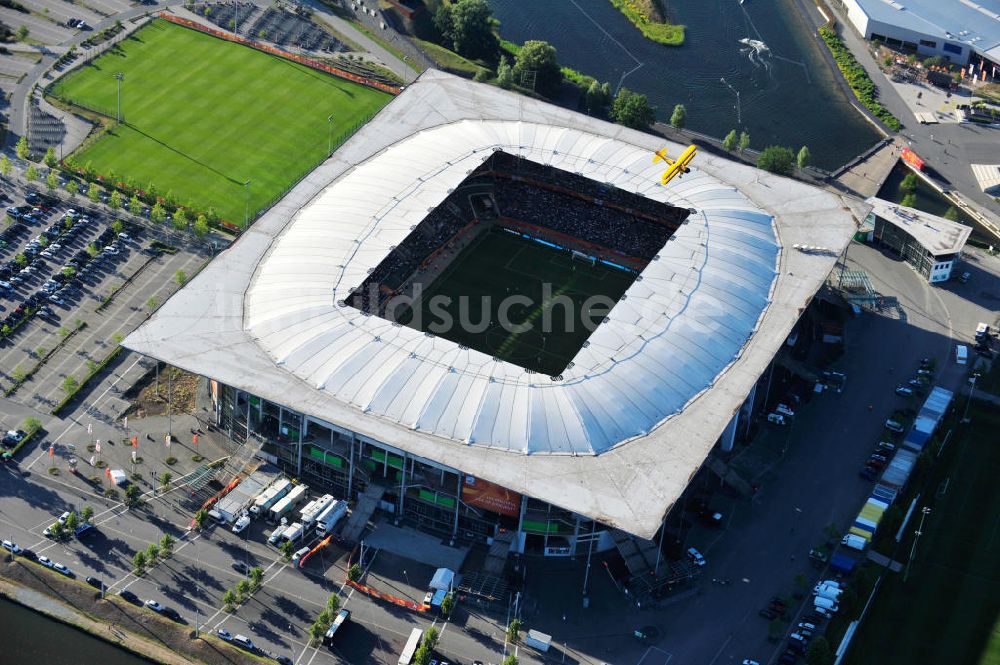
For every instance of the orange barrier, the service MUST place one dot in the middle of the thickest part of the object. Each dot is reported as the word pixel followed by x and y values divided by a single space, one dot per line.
pixel 388 597
pixel 215 499
pixel 323 543
pixel 267 48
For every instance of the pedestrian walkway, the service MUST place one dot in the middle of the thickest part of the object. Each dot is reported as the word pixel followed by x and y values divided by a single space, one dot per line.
pixel 867 175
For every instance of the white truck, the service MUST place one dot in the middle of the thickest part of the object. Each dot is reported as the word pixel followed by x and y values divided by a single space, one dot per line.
pixel 275 536
pixel 294 532
pixel 272 495
pixel 538 640
pixel 288 503
pixel 327 520
pixel 309 513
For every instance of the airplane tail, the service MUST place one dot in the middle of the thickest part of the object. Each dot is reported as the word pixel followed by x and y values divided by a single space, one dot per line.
pixel 661 156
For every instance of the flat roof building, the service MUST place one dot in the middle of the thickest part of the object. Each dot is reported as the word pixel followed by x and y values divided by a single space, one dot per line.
pixel 929 243
pixel 956 29
pixel 446 436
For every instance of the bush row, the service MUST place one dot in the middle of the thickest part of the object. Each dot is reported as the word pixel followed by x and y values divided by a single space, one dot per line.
pixel 83 384
pixel 856 77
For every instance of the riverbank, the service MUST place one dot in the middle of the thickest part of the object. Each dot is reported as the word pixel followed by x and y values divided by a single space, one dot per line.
pixel 646 16
pixel 112 620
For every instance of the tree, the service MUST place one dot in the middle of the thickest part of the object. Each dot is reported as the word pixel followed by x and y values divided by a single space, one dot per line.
pixel 72 521
pixel 505 73
pixel 152 303
pixel 776 159
pixel 5 165
pixel 354 572
pixel 180 220
pixel 200 517
pixel 910 200
pixel 819 652
pixel 73 187
pixel 448 604
pixel 152 552
pixel 157 214
pixel 287 548
pixel 21 149
pixel 50 158
pixel 229 600
pixel 181 277
pixel 539 57
pixel 909 183
pixel 511 659
pixel 467 27
pixel 514 631
pixel 200 226
pixel 117 226
pixel 22 33
pixel 116 200
pixel 94 193
pixel 632 110
pixel 52 180
pixel 243 589
pixel 165 479
pixel 256 577
pixel 316 630
pixel 135 205
pixel 679 117
pixel 70 384
pixel 729 143
pixel 951 213
pixel 430 638
pixel 139 562
pixel 803 159
pixel 87 514
pixel 333 603
pixel 132 496
pixel 68 271
pixel 744 143
pixel 32 173
pixel 596 100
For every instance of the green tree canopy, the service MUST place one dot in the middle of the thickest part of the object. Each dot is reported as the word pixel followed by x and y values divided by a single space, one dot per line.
pixel 134 205
pixel 94 193
pixel 200 226
pixel 505 73
pixel 776 159
pixel 909 183
pixel 951 213
pixel 21 149
pixel 804 158
pixel 632 110
pixel 157 214
pixel 50 158
pixel 466 27
pixel 679 117
pixel 52 180
pixel 116 200
pixel 729 143
pixel 72 187
pixel 539 57
pixel 32 173
pixel 744 143
pixel 910 200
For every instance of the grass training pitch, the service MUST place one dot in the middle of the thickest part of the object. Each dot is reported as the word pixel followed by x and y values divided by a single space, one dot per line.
pixel 948 610
pixel 203 116
pixel 498 265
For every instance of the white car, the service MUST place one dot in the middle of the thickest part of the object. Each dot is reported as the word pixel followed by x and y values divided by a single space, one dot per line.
pixel 11 547
pixel 63 517
pixel 241 524
pixel 45 561
pixel 155 606
pixel 224 634
pixel 784 410
pixel 696 557
pixel 62 569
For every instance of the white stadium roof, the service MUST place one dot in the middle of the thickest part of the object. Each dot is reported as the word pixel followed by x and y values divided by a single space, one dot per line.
pixel 619 435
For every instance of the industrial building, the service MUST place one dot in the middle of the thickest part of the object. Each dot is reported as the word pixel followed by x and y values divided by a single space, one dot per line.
pixel 929 243
pixel 445 437
pixel 955 29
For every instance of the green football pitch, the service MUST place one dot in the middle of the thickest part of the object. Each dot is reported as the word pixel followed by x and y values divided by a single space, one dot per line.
pixel 203 116
pixel 517 300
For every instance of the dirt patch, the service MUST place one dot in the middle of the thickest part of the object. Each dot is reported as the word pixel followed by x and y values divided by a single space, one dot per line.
pixel 181 387
pixel 133 628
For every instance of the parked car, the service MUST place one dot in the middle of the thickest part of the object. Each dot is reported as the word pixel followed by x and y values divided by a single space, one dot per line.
pixel 224 634
pixel 128 596
pixel 62 569
pixel 904 391
pixel 153 605
pixel 695 557
pixel 11 547
pixel 45 561
pixel 93 581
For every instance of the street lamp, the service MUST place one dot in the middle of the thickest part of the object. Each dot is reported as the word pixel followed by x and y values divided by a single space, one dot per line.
pixel 919 532
pixel 246 223
pixel 329 135
pixel 972 392
pixel 739 111
pixel 119 76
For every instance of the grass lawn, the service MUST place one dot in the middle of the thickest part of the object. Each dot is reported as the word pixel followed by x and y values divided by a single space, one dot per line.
pixel 204 115
pixel 497 265
pixel 947 611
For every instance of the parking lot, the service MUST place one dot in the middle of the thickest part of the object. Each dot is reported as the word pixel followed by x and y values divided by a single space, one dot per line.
pixel 73 279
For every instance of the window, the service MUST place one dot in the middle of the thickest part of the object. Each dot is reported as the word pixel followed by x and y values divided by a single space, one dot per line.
pixel 877 37
pixel 952 48
pixel 928 43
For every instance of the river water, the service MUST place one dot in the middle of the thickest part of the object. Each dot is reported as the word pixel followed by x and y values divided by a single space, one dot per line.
pixel 27 637
pixel 788 94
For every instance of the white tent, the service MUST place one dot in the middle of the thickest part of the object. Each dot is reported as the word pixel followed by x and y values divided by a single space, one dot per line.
pixel 988 176
pixel 443 579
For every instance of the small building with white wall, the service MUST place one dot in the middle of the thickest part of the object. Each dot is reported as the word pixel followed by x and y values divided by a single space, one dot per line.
pixel 988 177
pixel 955 29
pixel 929 243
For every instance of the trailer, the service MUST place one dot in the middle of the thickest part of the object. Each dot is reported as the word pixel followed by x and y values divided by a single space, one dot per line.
pixel 538 640
pixel 288 503
pixel 327 520
pixel 310 512
pixel 842 563
pixel 294 532
pixel 272 495
pixel 242 496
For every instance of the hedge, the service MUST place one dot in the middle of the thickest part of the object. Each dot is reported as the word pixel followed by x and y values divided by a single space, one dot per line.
pixel 83 384
pixel 857 78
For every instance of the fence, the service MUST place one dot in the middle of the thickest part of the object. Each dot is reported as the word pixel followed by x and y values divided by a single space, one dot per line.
pixel 272 50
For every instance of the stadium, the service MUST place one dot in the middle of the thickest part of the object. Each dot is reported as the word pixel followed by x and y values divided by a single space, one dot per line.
pixel 485 316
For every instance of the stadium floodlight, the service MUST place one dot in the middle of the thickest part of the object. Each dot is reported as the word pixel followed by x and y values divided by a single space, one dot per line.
pixel 246 204
pixel 119 76
pixel 329 135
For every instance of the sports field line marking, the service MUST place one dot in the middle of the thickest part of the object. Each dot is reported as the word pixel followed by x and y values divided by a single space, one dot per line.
pixel 668 655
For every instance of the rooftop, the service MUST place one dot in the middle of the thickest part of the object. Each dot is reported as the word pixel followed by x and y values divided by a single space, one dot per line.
pixel 619 436
pixel 972 22
pixel 937 235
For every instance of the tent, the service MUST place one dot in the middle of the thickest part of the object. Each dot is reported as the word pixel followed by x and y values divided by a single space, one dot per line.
pixel 443 579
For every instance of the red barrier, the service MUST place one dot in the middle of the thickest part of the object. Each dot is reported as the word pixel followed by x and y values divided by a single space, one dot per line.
pixel 215 499
pixel 267 48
